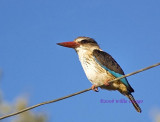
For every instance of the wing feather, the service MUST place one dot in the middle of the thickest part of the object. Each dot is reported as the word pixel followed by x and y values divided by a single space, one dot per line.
pixel 109 64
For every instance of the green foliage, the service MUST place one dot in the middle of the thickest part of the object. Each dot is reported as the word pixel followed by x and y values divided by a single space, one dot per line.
pixel 19 104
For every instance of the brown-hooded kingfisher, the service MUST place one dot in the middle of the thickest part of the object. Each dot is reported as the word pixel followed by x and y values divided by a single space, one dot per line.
pixel 100 67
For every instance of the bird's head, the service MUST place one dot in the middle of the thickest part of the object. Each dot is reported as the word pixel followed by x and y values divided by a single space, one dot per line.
pixel 81 43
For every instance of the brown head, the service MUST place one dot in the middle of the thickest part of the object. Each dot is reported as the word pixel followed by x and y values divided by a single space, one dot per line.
pixel 80 43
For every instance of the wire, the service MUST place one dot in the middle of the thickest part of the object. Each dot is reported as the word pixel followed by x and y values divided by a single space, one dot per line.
pixel 74 94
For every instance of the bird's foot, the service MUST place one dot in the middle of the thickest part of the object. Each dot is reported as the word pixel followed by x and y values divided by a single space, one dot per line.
pixel 94 88
pixel 107 82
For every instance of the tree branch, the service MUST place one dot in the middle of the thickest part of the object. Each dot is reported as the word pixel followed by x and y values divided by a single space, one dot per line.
pixel 74 94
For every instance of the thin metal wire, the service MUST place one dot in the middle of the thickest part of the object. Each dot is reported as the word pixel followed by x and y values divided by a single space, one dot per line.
pixel 74 94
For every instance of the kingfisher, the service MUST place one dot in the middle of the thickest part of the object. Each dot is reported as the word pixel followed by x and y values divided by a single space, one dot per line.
pixel 100 67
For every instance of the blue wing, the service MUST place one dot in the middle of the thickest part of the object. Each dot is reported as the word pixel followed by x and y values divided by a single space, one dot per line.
pixel 108 63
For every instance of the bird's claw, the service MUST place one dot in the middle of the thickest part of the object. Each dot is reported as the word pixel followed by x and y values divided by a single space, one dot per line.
pixel 94 88
pixel 106 83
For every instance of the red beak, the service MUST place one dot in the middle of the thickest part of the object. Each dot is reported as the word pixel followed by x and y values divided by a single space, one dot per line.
pixel 69 44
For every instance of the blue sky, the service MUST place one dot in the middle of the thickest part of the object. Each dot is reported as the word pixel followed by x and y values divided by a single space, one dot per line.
pixel 33 64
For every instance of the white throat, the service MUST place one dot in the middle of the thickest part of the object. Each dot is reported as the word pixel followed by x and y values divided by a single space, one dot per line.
pixel 94 72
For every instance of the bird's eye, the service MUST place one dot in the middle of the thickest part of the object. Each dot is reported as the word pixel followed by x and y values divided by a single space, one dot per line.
pixel 84 41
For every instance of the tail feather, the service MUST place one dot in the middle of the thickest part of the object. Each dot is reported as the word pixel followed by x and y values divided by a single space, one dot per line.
pixel 136 106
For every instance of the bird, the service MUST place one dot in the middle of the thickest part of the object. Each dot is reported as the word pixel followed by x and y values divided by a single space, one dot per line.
pixel 100 67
